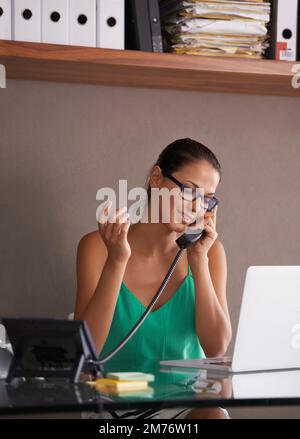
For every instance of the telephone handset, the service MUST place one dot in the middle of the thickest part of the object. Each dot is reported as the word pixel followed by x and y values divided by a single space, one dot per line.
pixel 188 239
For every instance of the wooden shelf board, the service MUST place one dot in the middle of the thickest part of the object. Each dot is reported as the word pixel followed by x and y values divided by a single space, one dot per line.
pixel 75 64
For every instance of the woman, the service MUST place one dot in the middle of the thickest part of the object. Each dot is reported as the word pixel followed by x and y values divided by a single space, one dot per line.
pixel 191 317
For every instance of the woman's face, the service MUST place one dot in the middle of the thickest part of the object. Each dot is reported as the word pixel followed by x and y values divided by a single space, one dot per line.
pixel 178 213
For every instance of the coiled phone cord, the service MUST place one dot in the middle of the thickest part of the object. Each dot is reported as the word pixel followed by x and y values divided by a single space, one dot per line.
pixel 103 360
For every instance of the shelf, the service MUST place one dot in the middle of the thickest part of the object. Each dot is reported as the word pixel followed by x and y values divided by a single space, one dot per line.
pixel 74 64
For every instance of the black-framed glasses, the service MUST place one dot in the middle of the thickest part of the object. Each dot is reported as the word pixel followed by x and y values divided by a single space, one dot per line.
pixel 191 194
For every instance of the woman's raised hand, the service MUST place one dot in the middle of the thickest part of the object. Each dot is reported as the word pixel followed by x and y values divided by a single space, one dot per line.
pixel 113 231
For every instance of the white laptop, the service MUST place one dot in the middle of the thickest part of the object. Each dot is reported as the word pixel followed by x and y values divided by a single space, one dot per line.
pixel 268 336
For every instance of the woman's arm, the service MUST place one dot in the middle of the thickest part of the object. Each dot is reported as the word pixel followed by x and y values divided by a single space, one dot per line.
pixel 101 261
pixel 212 317
pixel 98 283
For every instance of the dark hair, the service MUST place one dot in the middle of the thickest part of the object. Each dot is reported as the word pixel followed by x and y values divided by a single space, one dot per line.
pixel 184 151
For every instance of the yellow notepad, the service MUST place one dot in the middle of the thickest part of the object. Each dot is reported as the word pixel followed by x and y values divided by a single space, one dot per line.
pixel 132 376
pixel 136 393
pixel 120 385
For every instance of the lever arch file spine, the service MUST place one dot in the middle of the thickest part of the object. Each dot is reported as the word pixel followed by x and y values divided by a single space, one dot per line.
pixel 155 26
pixel 285 29
pixel 26 19
pixel 138 31
pixel 82 23
pixel 55 21
pixel 143 26
pixel 111 24
pixel 5 19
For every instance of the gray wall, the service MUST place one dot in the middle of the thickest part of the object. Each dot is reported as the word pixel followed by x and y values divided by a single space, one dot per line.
pixel 61 142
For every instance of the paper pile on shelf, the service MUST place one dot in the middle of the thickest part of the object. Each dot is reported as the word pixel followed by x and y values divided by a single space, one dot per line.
pixel 216 27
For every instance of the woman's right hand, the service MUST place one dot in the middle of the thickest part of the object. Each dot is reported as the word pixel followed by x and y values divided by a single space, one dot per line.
pixel 114 233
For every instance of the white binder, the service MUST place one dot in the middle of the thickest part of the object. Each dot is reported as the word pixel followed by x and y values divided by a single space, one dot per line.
pixel 82 23
pixel 286 40
pixel 55 21
pixel 26 20
pixel 5 19
pixel 111 24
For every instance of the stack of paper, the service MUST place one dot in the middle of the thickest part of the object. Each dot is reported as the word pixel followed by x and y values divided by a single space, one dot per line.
pixel 216 27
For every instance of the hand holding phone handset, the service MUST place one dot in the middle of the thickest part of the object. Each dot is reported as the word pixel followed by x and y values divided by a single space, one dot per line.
pixel 207 233
pixel 204 228
pixel 188 239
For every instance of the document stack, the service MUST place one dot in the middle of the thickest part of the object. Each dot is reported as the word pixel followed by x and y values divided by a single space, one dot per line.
pixel 218 27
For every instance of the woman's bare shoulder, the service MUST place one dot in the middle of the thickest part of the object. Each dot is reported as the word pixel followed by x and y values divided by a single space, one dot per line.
pixel 92 243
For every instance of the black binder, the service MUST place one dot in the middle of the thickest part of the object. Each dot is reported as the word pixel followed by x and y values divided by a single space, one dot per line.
pixel 142 26
pixel 272 31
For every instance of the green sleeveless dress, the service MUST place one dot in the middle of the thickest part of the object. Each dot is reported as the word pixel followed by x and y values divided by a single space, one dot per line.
pixel 168 333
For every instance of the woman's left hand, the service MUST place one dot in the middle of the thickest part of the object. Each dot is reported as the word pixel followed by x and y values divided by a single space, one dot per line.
pixel 202 246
